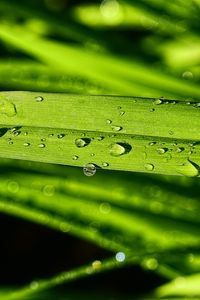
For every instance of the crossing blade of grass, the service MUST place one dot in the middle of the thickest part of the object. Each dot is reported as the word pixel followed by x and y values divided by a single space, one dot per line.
pixel 29 75
pixel 39 286
pixel 119 74
pixel 188 286
pixel 146 228
pixel 48 20
pixel 154 198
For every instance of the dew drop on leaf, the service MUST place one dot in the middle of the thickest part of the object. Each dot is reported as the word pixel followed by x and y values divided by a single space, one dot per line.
pixel 7 108
pixel 121 113
pixel 161 150
pixel 150 263
pixel 34 285
pixel 105 164
pixel 75 157
pixel 16 133
pixel 26 144
pixel 82 142
pixel 152 143
pixel 117 149
pixel 41 145
pixel 60 136
pixel 39 98
pixel 108 121
pixel 116 128
pixel 188 169
pixel 96 265
pixel 120 256
pixel 157 101
pixel 100 138
pixel 89 169
pixel 149 167
pixel 179 149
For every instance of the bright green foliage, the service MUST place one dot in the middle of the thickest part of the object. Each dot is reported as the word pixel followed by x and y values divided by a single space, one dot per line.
pixel 119 133
pixel 104 86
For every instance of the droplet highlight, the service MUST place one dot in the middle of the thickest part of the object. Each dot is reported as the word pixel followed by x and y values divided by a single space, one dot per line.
pixel 116 128
pixel 39 98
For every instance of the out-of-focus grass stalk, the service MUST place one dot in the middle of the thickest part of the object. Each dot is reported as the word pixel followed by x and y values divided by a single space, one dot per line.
pixel 119 74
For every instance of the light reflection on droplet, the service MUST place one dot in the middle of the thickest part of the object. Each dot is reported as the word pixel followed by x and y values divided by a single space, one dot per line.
pixel 96 265
pixel 34 285
pixel 105 208
pixel 120 256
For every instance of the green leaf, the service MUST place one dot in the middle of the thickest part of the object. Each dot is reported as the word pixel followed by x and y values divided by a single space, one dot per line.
pixel 182 286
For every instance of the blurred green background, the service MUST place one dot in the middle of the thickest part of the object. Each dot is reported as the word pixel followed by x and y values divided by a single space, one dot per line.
pixel 146 48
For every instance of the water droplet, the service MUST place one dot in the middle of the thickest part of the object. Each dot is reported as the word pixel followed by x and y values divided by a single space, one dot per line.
pixel 25 133
pixel 105 164
pixel 187 75
pixel 116 128
pixel 180 149
pixel 152 143
pixel 119 107
pixel 150 263
pixel 161 150
pixel 13 187
pixel 120 256
pixel 96 265
pixel 197 105
pixel 16 133
pixel 26 144
pixel 188 169
pixel 117 149
pixel 10 143
pixel 82 142
pixel 157 101
pixel 60 136
pixel 105 208
pixel 122 113
pixel 171 132
pixel 152 109
pixel 51 135
pixel 39 98
pixel 64 227
pixel 34 285
pixel 75 157
pixel 89 169
pixel 149 167
pixel 41 145
pixel 48 190
pixel 108 121
pixel 144 154
pixel 100 138
pixel 7 108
